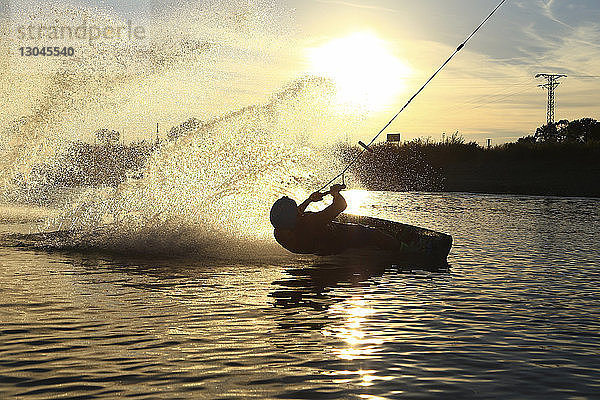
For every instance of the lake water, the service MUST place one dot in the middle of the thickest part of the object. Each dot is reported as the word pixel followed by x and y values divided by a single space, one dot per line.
pixel 517 315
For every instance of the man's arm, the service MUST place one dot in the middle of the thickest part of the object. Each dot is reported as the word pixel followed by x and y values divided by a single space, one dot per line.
pixel 316 196
pixel 334 209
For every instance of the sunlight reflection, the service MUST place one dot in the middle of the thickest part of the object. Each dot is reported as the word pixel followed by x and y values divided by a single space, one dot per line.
pixel 371 397
pixel 358 344
pixel 356 199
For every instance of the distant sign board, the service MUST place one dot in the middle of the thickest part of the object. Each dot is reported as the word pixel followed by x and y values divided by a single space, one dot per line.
pixel 393 137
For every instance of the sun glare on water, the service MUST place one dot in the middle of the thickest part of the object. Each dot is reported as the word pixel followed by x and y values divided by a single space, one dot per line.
pixel 365 71
pixel 355 199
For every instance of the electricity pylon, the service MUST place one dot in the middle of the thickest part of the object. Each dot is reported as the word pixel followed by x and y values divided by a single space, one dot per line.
pixel 550 85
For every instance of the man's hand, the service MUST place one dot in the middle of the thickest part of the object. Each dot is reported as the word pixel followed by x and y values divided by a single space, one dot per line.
pixel 316 196
pixel 336 188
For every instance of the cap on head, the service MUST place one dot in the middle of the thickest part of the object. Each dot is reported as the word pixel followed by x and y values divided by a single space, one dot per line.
pixel 284 213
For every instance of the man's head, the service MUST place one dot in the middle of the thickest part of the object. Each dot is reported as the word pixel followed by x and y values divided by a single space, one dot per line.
pixel 284 213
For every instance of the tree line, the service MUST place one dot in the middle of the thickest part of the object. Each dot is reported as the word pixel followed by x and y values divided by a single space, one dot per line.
pixel 558 159
pixel 584 130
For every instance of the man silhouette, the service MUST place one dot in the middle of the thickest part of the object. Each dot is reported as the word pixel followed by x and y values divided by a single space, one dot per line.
pixel 306 232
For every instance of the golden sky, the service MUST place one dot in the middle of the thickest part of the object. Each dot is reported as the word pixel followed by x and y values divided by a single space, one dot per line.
pixel 376 53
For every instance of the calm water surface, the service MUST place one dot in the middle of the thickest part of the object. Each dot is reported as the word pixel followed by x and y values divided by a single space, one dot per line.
pixel 517 315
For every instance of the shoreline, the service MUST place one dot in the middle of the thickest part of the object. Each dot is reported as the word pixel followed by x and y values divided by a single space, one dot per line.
pixel 466 192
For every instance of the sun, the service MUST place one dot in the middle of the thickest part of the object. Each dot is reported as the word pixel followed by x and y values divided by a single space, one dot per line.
pixel 364 69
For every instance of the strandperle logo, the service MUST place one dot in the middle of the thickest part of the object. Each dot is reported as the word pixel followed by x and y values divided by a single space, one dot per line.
pixel 81 31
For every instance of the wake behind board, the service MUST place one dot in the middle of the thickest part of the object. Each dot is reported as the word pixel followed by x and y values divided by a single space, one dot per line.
pixel 420 248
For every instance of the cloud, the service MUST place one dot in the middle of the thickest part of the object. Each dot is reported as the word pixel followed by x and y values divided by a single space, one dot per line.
pixel 548 12
pixel 357 5
pixel 550 42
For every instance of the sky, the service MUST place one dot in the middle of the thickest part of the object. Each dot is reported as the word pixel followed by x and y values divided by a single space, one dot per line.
pixel 378 53
pixel 489 89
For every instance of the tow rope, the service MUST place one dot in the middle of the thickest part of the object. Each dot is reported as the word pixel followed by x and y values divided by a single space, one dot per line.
pixel 365 147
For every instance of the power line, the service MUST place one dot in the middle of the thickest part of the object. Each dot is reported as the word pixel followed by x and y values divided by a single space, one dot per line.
pixel 586 76
pixel 485 100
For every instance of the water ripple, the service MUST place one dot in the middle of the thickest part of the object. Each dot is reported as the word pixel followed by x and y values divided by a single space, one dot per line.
pixel 517 316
